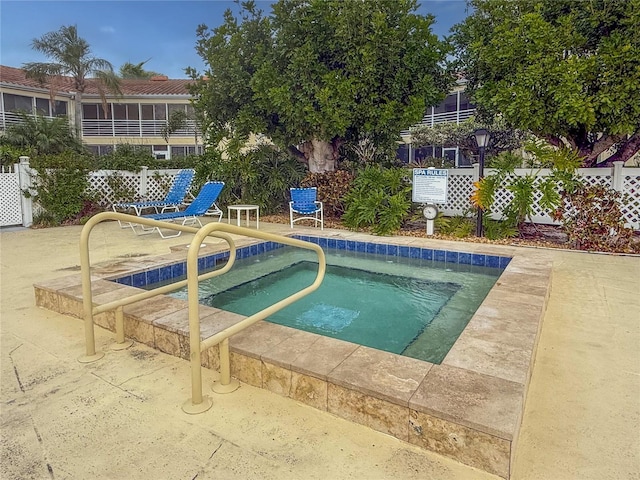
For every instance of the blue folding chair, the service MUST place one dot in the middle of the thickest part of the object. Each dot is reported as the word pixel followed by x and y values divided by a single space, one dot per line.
pixel 174 199
pixel 203 204
pixel 303 202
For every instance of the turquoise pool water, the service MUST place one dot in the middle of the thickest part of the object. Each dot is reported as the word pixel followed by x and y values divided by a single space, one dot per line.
pixel 412 307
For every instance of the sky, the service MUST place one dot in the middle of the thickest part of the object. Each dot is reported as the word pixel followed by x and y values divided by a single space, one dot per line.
pixel 160 31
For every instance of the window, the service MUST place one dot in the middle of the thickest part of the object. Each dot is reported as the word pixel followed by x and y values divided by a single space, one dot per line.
pixel 423 152
pixel 17 103
pixel 154 111
pixel 42 107
pixel 59 108
pixel 451 103
pixel 183 151
pixel 92 111
pixel 465 103
pixel 125 111
pixel 119 111
pixel 402 153
pixel 100 149
pixel 161 152
pixel 177 108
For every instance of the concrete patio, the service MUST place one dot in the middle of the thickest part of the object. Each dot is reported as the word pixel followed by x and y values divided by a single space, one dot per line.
pixel 121 417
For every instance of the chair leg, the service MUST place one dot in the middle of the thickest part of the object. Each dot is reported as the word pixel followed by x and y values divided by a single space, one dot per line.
pixel 177 234
pixel 120 223
pixel 142 231
pixel 173 235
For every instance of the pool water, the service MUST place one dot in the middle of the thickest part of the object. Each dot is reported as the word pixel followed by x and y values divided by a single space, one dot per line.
pixel 406 306
pixel 342 307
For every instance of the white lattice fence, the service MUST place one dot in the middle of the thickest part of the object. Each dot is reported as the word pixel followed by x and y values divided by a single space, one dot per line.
pixel 114 186
pixel 630 189
pixel 624 180
pixel 159 183
pixel 111 186
pixel 460 186
pixel 10 198
pixel 503 196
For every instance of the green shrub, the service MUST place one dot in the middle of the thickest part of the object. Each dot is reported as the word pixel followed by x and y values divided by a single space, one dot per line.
pixel 133 157
pixel 126 157
pixel 332 190
pixel 595 221
pixel 260 176
pixel 10 154
pixel 563 163
pixel 498 229
pixel 61 188
pixel 460 226
pixel 380 199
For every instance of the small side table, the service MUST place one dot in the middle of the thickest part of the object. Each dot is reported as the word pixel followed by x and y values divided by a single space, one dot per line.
pixel 243 208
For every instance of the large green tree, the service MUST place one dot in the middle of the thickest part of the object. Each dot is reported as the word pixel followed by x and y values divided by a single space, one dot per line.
pixel 567 70
pixel 71 57
pixel 318 73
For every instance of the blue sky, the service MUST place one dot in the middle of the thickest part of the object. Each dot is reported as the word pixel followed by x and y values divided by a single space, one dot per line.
pixel 163 31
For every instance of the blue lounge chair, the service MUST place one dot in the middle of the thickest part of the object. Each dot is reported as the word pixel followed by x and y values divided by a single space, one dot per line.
pixel 173 200
pixel 203 204
pixel 303 202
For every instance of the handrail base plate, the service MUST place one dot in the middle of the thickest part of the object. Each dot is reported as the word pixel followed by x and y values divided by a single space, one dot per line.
pixel 91 358
pixel 192 409
pixel 230 387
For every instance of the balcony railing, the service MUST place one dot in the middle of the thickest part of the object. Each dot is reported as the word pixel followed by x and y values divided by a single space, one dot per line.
pixel 112 128
pixel 132 128
pixel 456 116
pixel 429 119
pixel 13 118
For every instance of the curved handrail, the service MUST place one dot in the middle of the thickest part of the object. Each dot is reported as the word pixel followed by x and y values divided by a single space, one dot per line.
pixel 197 403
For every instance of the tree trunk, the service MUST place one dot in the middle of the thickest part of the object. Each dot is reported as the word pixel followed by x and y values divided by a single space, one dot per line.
pixel 78 114
pixel 322 155
pixel 626 150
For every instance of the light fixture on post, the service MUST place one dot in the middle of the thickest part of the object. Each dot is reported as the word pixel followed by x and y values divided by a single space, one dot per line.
pixel 482 138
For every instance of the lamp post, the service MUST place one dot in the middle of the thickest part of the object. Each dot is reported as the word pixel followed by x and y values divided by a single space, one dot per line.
pixel 482 137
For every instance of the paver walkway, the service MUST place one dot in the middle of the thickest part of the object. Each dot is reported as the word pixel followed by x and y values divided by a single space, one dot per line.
pixel 120 418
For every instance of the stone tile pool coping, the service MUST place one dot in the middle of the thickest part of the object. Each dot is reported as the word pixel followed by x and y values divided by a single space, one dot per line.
pixel 468 408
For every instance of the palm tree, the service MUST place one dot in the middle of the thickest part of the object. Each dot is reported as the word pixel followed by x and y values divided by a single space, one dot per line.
pixel 135 71
pixel 72 57
pixel 41 135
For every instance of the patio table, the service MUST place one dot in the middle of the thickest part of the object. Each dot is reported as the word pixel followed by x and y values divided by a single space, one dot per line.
pixel 243 208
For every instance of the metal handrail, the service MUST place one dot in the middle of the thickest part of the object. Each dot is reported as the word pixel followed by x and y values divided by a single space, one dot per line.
pixel 197 403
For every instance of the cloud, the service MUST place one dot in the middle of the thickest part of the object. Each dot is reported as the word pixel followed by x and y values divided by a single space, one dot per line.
pixel 107 29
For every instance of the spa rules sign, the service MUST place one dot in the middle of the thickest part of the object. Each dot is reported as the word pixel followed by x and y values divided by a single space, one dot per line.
pixel 430 185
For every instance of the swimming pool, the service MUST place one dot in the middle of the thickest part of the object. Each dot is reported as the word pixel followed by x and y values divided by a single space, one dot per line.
pixel 408 305
pixel 468 407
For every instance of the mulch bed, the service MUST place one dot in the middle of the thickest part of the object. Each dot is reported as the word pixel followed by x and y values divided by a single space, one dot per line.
pixel 549 236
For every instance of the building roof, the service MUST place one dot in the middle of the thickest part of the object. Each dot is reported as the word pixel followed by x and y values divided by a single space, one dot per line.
pixel 159 85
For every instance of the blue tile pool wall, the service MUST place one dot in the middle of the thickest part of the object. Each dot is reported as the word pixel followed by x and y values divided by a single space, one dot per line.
pixel 446 256
pixel 176 270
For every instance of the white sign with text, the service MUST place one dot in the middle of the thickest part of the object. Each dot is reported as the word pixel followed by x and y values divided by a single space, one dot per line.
pixel 430 185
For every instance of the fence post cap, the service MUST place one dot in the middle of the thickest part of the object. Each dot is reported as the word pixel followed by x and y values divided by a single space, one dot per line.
pixel 24 159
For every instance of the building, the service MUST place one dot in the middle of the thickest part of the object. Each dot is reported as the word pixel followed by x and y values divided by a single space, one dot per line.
pixel 456 108
pixel 136 118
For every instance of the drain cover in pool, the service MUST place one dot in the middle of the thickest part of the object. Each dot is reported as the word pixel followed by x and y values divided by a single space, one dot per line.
pixel 328 318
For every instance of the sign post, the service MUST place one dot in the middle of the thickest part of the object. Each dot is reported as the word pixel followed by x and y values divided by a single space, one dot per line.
pixel 430 187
